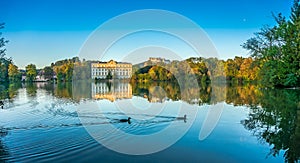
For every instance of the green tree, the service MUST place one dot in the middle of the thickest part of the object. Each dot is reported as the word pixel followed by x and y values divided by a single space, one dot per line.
pixel 245 70
pixel 48 72
pixel 13 73
pixel 231 69
pixel 278 49
pixel 30 72
pixel 68 71
pixel 82 70
pixel 4 62
pixel 60 76
pixel 65 69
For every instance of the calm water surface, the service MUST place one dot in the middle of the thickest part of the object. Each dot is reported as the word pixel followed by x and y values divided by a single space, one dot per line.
pixel 50 122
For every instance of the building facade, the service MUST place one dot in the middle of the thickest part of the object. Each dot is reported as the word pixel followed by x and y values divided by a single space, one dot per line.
pixel 118 70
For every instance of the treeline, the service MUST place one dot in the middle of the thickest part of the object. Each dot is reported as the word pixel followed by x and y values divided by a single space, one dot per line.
pixel 66 70
pixel 237 70
pixel 192 69
pixel 274 61
pixel 69 69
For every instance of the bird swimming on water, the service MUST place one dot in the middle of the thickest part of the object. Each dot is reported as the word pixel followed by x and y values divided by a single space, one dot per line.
pixel 125 120
pixel 182 118
pixel 1 104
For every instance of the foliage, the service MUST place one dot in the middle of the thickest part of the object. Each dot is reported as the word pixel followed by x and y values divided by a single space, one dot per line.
pixel 31 89
pixel 4 62
pixel 63 90
pixel 31 72
pixel 277 123
pixel 278 49
pixel 13 73
pixel 159 91
pixel 82 70
pixel 180 71
pixel 64 68
pixel 215 68
pixel 48 73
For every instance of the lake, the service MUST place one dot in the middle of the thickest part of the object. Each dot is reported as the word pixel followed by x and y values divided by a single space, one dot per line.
pixel 83 122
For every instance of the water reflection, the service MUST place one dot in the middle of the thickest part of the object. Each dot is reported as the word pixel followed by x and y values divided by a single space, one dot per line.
pixel 273 117
pixel 163 91
pixel 111 90
pixel 276 120
pixel 3 150
pixel 9 91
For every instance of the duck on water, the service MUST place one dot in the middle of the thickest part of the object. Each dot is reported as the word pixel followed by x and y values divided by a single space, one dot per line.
pixel 1 104
pixel 182 118
pixel 125 120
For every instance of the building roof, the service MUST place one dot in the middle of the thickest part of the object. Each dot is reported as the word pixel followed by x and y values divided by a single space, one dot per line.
pixel 112 61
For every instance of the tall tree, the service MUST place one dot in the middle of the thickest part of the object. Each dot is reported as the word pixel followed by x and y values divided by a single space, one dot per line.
pixel 3 42
pixel 48 72
pixel 13 73
pixel 4 62
pixel 231 69
pixel 278 48
pixel 31 72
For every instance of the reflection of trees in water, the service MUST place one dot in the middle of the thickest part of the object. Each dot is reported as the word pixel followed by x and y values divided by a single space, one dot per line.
pixel 274 116
pixel 218 92
pixel 48 87
pixel 243 95
pixel 31 89
pixel 63 90
pixel 69 90
pixel 277 121
pixel 3 91
pixel 3 150
pixel 9 91
pixel 165 90
pixel 13 89
pixel 81 90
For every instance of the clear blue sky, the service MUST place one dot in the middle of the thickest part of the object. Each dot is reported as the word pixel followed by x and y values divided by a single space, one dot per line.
pixel 43 31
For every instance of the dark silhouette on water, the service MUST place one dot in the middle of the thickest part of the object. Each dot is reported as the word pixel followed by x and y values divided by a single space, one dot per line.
pixel 125 120
pixel 182 118
pixel 1 104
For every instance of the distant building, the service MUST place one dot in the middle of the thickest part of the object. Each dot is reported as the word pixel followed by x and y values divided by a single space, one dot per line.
pixel 23 79
pixel 40 77
pixel 118 70
pixel 159 60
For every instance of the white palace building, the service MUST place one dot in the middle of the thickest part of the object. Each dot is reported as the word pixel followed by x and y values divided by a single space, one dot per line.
pixel 118 70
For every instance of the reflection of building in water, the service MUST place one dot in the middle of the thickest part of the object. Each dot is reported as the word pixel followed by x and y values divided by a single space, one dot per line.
pixel 111 91
pixel 118 70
